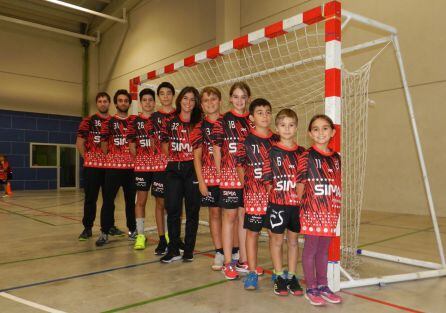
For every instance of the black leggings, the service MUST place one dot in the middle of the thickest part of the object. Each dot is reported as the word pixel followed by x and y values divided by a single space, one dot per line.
pixel 181 183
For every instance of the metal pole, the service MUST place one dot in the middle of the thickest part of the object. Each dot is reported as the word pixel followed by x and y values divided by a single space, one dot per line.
pixel 44 27
pixel 419 149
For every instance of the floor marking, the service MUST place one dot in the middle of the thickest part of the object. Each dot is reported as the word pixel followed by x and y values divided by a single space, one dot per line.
pixel 170 295
pixel 45 282
pixel 26 216
pixel 38 210
pixel 395 237
pixel 29 303
pixel 396 306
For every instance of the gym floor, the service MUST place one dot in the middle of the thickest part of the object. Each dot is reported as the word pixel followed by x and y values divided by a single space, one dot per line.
pixel 44 268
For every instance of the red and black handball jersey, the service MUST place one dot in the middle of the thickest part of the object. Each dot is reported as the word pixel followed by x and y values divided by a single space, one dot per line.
pixel 159 121
pixel 321 201
pixel 177 134
pixel 251 155
pixel 5 171
pixel 281 171
pixel 203 136
pixel 230 130
pixel 142 134
pixel 115 132
pixel 90 131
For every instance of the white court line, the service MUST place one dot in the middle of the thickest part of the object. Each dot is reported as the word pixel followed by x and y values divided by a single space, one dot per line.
pixel 29 303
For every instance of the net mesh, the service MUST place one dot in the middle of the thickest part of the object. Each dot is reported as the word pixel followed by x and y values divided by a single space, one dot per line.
pixel 289 71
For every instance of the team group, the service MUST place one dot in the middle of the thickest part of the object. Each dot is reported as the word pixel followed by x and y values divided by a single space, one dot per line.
pixel 249 176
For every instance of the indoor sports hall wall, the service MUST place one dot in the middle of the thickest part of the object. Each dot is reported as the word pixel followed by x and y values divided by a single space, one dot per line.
pixel 39 71
pixel 160 32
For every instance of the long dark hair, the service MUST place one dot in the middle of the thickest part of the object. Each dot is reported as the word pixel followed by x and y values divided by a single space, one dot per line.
pixel 196 114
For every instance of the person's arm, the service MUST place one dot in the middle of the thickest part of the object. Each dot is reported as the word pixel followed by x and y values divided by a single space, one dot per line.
pixel 132 147
pixel 216 151
pixel 104 147
pixel 104 136
pixel 198 153
pixel 165 148
pixel 80 145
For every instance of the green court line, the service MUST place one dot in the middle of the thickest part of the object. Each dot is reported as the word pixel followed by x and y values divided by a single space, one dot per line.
pixel 394 237
pixel 63 254
pixel 26 216
pixel 170 295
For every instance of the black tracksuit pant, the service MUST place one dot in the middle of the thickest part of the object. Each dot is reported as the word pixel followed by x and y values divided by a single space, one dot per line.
pixel 115 178
pixel 181 183
pixel 93 181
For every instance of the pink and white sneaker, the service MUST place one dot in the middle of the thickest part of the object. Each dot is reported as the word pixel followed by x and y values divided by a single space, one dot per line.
pixel 314 297
pixel 242 267
pixel 329 295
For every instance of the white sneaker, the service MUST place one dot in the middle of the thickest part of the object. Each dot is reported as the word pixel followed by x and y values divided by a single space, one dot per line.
pixel 235 256
pixel 219 260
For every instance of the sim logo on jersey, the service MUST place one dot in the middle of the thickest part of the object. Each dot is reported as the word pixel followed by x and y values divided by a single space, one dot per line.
pixel 285 185
pixel 327 190
pixel 179 146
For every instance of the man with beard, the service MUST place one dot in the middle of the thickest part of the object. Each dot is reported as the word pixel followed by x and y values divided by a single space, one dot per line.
pixel 119 165
pixel 88 143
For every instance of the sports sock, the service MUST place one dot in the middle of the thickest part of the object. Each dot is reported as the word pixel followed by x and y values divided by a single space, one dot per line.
pixel 235 250
pixel 291 274
pixel 140 225
pixel 219 250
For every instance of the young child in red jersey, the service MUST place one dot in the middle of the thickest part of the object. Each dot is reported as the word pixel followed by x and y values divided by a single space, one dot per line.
pixel 140 136
pixel 208 179
pixel 5 175
pixel 251 155
pixel 233 127
pixel 320 175
pixel 280 173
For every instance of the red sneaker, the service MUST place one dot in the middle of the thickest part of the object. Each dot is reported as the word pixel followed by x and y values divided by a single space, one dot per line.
pixel 229 272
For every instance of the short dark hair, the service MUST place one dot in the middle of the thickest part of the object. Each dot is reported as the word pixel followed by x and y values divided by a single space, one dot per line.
pixel 322 117
pixel 165 85
pixel 286 113
pixel 259 102
pixel 196 112
pixel 146 91
pixel 121 92
pixel 102 94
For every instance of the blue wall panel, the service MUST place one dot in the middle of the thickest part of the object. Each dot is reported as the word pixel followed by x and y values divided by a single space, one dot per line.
pixel 18 129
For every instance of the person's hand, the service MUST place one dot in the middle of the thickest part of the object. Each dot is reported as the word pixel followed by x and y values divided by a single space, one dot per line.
pixel 203 189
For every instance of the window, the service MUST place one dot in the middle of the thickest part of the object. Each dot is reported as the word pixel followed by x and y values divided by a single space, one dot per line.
pixel 43 155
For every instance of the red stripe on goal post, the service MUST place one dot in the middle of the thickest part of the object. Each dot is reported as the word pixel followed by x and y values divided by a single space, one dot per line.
pixel 332 15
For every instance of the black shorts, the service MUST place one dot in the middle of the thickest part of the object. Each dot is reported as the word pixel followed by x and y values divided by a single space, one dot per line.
pixel 231 198
pixel 254 222
pixel 143 180
pixel 158 183
pixel 281 217
pixel 212 200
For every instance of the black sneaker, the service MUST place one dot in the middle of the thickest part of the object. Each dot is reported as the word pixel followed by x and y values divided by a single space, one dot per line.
pixel 132 235
pixel 161 249
pixel 171 257
pixel 115 231
pixel 294 288
pixel 85 234
pixel 280 286
pixel 102 240
pixel 188 256
pixel 181 245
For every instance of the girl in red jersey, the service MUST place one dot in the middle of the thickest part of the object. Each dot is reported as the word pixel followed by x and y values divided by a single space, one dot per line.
pixel 181 182
pixel 5 175
pixel 320 183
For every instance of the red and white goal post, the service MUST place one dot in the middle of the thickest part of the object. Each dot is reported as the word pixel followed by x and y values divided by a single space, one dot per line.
pixel 297 63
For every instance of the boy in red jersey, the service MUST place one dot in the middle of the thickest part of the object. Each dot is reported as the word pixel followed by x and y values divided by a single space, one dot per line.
pixel 233 127
pixel 88 143
pixel 208 179
pixel 140 136
pixel 280 173
pixel 119 163
pixel 160 118
pixel 250 157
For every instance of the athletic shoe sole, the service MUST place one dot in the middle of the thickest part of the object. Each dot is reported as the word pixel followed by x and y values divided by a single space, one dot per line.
pixel 330 300
pixel 251 288
pixel 313 303
pixel 175 258
pixel 296 293
pixel 160 253
pixel 281 293
pixel 217 267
